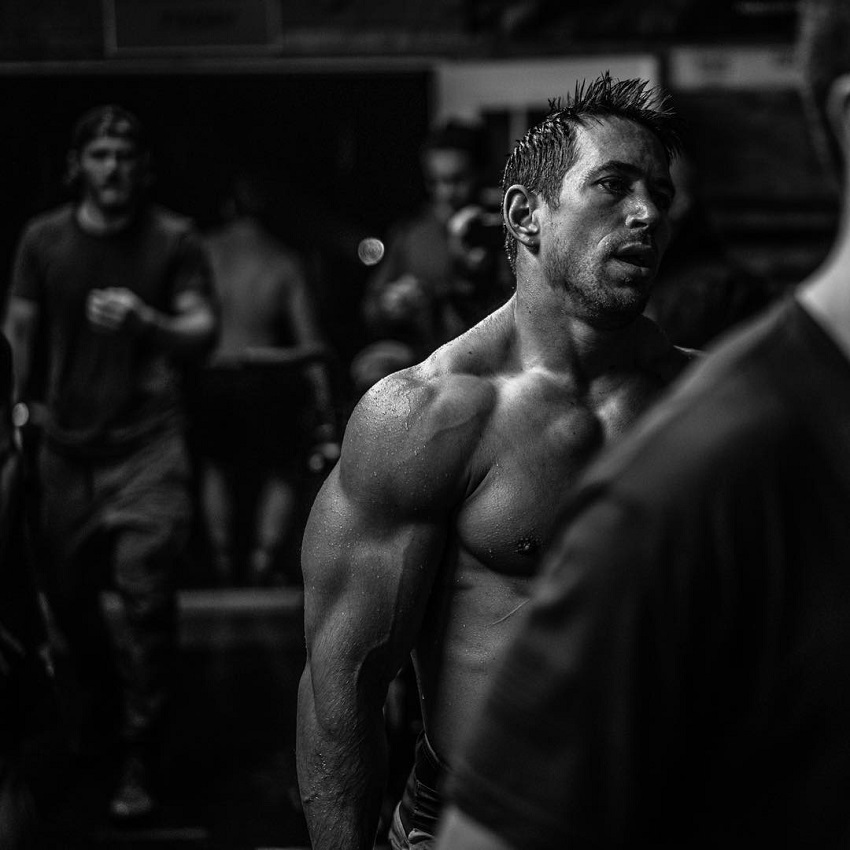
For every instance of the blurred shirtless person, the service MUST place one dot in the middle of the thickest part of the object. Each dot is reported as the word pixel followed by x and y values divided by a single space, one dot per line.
pixel 265 399
pixel 426 535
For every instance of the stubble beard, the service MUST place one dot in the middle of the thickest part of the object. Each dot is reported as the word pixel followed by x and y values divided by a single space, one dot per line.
pixel 110 206
pixel 598 298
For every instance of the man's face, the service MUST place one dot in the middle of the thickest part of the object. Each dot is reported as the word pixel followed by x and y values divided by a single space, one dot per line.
pixel 450 178
pixel 604 242
pixel 110 168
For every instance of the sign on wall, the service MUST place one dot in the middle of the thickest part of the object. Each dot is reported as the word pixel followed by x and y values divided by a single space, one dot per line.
pixel 149 27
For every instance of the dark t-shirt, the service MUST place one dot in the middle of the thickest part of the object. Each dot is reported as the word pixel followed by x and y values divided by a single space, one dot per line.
pixel 105 392
pixel 682 676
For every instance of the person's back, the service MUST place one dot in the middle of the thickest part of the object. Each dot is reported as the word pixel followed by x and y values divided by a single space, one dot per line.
pixel 261 401
pixel 256 279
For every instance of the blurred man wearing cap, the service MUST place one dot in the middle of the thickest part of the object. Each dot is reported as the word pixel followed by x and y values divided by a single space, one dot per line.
pixel 122 291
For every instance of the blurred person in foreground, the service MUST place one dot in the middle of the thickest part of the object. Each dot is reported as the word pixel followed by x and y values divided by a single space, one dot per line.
pixel 444 269
pixel 262 407
pixel 682 675
pixel 122 289
pixel 426 535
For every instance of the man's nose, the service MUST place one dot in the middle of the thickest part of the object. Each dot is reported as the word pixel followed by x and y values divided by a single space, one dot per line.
pixel 443 190
pixel 644 211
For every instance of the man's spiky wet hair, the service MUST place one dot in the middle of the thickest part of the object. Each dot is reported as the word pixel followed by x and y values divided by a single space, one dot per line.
pixel 548 150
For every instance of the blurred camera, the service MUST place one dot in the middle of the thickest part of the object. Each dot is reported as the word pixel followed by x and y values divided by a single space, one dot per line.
pixel 475 236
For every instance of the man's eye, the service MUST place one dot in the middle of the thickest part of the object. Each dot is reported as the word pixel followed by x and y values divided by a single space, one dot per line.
pixel 614 184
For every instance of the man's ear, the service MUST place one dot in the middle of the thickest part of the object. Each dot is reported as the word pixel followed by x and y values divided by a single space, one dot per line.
pixel 838 110
pixel 520 211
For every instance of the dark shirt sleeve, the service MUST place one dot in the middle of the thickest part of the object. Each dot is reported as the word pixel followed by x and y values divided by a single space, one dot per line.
pixel 26 275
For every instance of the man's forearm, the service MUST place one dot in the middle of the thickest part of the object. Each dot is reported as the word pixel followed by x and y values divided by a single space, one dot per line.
pixel 317 374
pixel 341 776
pixel 188 335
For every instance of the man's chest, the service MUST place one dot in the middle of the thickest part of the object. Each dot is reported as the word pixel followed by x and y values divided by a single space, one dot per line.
pixel 530 459
pixel 72 267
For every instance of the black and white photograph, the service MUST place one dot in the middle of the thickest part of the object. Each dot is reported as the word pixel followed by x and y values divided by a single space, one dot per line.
pixel 422 424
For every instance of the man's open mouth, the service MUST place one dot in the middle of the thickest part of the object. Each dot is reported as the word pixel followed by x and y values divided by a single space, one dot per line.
pixel 637 255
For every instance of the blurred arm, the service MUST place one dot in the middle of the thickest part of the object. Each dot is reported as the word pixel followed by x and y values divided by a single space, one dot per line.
pixel 188 332
pixel 20 328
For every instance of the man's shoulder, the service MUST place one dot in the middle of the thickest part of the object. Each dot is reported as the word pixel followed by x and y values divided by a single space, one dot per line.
pixel 47 224
pixel 169 222
pixel 423 422
pixel 289 265
pixel 431 395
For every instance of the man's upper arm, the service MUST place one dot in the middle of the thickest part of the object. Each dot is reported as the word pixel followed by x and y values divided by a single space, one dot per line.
pixel 300 310
pixel 20 326
pixel 376 535
pixel 194 301
pixel 192 282
pixel 26 269
pixel 21 314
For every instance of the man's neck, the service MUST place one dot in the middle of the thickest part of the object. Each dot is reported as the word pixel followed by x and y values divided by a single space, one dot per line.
pixel 553 338
pixel 96 220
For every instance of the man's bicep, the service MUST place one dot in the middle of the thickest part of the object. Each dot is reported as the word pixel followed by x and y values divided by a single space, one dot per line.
pixel 191 302
pixel 368 569
pixel 21 313
pixel 27 272
pixel 20 324
pixel 302 316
